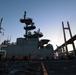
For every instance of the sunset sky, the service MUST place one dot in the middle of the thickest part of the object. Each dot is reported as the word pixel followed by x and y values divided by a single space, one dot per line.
pixel 47 15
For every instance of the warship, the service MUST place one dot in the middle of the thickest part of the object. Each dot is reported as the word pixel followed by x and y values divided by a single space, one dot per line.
pixel 30 46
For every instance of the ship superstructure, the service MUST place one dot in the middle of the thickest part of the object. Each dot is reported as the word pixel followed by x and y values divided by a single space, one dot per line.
pixel 30 45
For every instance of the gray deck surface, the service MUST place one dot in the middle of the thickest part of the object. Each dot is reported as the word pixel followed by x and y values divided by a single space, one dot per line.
pixel 53 67
pixel 20 68
pixel 61 67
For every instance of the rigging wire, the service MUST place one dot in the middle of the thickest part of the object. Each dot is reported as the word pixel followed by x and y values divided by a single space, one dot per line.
pixel 59 40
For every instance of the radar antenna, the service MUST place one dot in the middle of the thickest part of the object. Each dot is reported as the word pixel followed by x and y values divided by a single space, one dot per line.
pixel 24 14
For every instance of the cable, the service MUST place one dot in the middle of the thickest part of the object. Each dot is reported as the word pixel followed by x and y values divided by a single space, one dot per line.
pixel 59 37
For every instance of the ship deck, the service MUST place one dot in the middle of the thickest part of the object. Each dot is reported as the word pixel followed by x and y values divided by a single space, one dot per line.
pixel 52 67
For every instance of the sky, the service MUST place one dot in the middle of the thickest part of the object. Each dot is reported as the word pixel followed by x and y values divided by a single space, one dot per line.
pixel 46 14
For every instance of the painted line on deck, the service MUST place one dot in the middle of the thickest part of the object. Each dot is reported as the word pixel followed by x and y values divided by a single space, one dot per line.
pixel 44 69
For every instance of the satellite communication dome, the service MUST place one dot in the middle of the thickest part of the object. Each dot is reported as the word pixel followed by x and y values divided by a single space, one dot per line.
pixel 49 46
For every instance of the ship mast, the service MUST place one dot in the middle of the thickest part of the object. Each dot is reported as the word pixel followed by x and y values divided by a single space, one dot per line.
pixel 29 25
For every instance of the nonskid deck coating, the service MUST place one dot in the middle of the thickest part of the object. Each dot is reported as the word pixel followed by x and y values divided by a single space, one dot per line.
pixel 60 67
pixel 53 67
pixel 20 68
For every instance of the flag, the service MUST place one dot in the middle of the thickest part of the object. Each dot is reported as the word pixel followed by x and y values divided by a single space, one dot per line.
pixel 0 32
